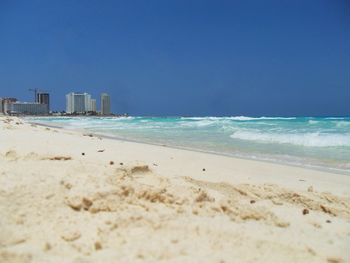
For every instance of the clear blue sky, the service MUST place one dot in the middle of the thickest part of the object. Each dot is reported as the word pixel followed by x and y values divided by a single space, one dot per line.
pixel 183 57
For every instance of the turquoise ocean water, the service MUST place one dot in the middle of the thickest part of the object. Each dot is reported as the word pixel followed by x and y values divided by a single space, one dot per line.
pixel 321 143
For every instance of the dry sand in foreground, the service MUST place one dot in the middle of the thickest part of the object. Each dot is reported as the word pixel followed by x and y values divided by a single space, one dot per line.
pixel 68 197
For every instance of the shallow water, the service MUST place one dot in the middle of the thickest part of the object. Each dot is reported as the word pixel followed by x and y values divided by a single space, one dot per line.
pixel 322 143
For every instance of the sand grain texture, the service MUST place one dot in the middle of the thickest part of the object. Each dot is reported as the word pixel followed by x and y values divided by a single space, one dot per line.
pixel 57 205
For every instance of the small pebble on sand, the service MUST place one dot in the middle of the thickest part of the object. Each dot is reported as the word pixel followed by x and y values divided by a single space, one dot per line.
pixel 305 211
pixel 98 246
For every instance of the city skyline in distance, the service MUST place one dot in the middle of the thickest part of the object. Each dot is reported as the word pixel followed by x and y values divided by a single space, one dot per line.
pixel 40 94
pixel 83 102
pixel 77 103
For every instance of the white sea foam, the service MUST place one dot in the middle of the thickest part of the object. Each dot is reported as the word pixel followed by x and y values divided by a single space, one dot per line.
pixel 314 139
pixel 335 118
pixel 204 123
pixel 245 118
pixel 342 123
pixel 242 118
pixel 203 118
pixel 238 118
pixel 313 122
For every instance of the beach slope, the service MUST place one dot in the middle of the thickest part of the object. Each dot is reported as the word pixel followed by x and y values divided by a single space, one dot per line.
pixel 66 196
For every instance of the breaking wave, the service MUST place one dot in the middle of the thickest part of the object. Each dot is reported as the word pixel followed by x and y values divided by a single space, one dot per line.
pixel 245 118
pixel 238 118
pixel 314 139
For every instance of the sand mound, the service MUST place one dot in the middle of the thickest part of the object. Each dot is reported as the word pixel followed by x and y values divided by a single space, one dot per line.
pixel 324 202
pixel 129 191
pixel 11 155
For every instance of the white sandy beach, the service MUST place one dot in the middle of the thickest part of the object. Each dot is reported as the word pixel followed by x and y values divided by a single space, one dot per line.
pixel 71 197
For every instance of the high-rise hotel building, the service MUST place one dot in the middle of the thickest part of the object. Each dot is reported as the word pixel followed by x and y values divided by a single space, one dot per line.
pixel 43 98
pixel 105 104
pixel 78 102
pixel 93 105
